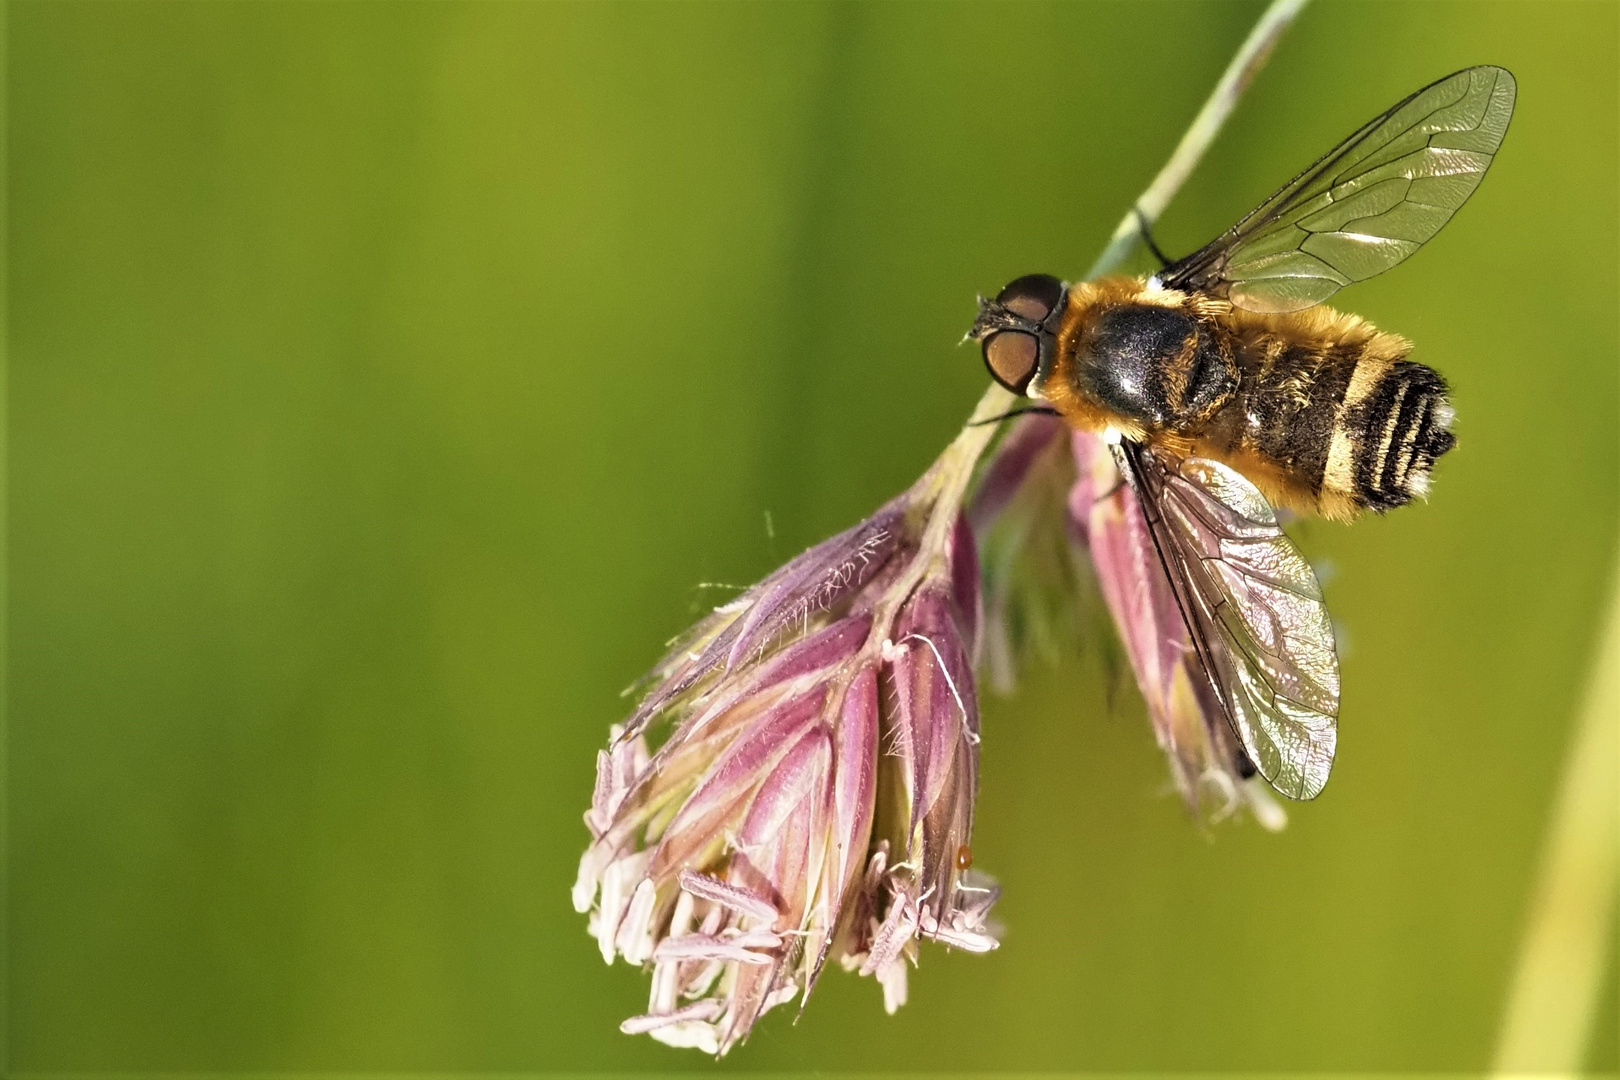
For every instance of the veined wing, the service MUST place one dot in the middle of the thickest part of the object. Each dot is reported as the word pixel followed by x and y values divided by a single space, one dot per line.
pixel 1363 207
pixel 1253 609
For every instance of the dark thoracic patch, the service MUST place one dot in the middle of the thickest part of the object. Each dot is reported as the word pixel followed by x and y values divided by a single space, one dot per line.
pixel 1398 433
pixel 1124 360
pixel 1292 405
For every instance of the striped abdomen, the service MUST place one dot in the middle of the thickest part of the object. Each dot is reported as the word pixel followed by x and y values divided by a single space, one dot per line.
pixel 1394 422
pixel 1329 416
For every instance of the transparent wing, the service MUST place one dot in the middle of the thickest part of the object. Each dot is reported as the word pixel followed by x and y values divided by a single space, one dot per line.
pixel 1253 609
pixel 1369 203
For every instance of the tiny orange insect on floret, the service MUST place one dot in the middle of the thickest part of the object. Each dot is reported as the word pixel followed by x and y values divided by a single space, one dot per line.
pixel 964 857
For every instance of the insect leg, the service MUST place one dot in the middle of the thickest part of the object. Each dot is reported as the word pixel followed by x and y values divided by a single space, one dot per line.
pixel 1044 410
pixel 1147 238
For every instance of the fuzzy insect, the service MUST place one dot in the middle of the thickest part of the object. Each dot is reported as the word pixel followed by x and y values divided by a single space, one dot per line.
pixel 1226 386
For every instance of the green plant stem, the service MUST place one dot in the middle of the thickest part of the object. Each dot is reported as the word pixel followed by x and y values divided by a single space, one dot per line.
pixel 1553 999
pixel 1250 58
pixel 946 481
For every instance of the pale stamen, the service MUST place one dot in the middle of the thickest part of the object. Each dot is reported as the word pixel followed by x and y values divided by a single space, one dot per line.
pixel 892 977
pixel 967 940
pixel 740 900
pixel 897 929
pixel 635 937
pixel 703 947
pixel 698 1010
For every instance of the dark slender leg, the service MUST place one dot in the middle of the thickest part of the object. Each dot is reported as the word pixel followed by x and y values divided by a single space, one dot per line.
pixel 1045 410
pixel 1147 237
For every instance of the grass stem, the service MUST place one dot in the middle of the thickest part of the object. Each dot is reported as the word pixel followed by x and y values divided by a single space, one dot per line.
pixel 1567 947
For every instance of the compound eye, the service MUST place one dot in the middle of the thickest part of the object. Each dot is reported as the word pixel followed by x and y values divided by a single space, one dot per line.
pixel 1011 357
pixel 1033 296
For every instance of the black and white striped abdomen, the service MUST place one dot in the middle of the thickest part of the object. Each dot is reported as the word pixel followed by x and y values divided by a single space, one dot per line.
pixel 1394 421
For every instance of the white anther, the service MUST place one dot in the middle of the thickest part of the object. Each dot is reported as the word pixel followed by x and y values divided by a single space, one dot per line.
pixel 635 938
pixel 704 947
pixel 753 939
pixel 898 928
pixel 699 1010
pixel 893 979
pixel 966 940
pixel 695 1034
pixel 780 996
pixel 740 900
pixel 618 886
pixel 665 986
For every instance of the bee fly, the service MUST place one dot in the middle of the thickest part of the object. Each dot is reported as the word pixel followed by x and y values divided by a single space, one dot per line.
pixel 1224 385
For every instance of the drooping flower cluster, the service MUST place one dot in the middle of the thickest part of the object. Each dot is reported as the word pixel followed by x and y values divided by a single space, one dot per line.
pixel 797 784
pixel 812 796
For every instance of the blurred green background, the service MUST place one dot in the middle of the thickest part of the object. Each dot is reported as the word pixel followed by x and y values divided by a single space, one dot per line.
pixel 384 379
